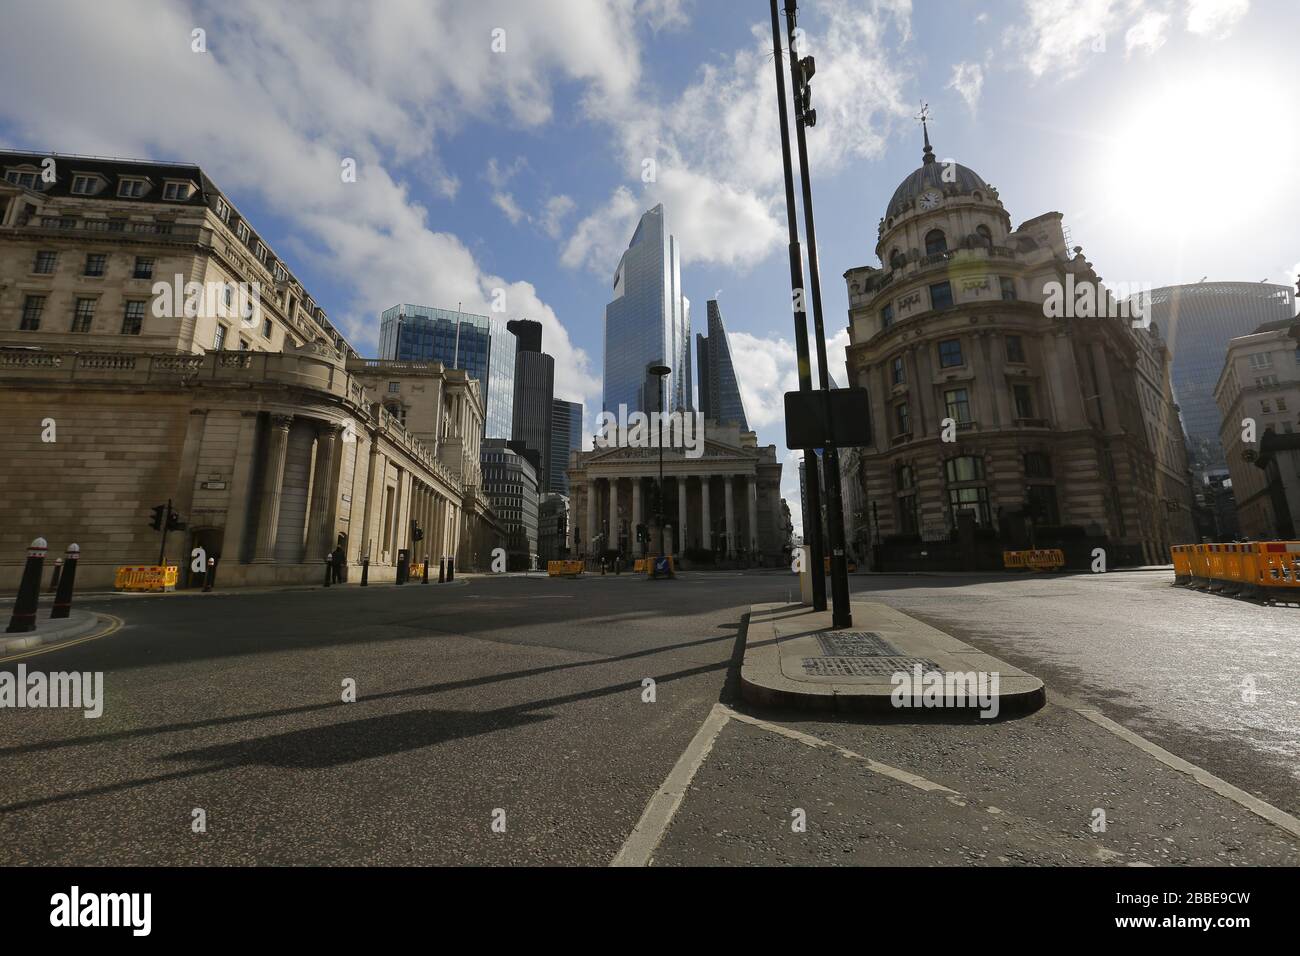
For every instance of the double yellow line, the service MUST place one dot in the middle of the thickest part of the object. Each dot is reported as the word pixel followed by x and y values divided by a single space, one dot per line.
pixel 115 623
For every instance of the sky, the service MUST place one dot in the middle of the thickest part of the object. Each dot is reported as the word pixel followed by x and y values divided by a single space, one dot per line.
pixel 505 145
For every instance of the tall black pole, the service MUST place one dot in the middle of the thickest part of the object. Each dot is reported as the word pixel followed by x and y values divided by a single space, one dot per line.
pixel 812 481
pixel 841 613
pixel 162 545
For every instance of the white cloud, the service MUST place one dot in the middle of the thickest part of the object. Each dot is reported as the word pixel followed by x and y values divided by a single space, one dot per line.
pixel 287 91
pixel 716 146
pixel 1148 34
pixel 968 81
pixel 1215 18
pixel 506 203
pixel 553 214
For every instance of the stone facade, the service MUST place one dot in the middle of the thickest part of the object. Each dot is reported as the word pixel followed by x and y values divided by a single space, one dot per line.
pixel 728 500
pixel 1046 415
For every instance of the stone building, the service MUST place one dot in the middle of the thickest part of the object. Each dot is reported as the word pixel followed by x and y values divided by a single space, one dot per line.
pixel 1006 408
pixel 1260 382
pixel 123 386
pixel 727 500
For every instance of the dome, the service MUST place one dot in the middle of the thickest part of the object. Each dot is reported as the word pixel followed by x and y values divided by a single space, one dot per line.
pixel 960 179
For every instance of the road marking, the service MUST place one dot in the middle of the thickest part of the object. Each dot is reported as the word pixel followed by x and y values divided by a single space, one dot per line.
pixel 875 766
pixel 650 829
pixel 1206 779
pixel 114 625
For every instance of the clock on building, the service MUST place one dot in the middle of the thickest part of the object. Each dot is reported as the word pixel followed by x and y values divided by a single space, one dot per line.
pixel 930 199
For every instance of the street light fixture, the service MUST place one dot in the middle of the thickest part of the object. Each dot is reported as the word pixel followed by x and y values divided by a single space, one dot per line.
pixel 660 372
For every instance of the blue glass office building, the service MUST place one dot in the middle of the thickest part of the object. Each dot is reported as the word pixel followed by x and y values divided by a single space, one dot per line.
pixel 720 399
pixel 479 345
pixel 647 323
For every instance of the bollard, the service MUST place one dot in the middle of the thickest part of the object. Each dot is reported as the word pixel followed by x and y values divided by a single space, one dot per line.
pixel 602 567
pixel 54 578
pixel 451 568
pixel 29 591
pixel 426 570
pixel 442 570
pixel 365 571
pixel 63 598
pixel 211 575
pixel 327 570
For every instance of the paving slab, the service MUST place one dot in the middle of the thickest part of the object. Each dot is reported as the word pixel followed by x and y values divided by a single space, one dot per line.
pixel 887 661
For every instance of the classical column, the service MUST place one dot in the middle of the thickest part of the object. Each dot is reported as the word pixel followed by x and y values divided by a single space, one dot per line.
pixel 374 497
pixel 613 515
pixel 752 530
pixel 589 532
pixel 680 536
pixel 638 547
pixel 232 544
pixel 730 514
pixel 319 537
pixel 269 516
pixel 706 520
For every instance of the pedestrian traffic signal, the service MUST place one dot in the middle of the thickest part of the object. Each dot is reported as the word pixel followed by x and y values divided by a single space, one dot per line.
pixel 417 533
pixel 174 522
pixel 158 513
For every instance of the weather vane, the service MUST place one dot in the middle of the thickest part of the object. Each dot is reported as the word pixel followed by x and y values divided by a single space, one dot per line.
pixel 924 115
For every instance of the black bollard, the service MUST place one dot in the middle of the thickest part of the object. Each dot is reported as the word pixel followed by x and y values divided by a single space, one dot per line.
pixel 426 570
pixel 365 571
pixel 54 578
pixel 442 570
pixel 211 576
pixel 63 598
pixel 451 568
pixel 327 570
pixel 29 591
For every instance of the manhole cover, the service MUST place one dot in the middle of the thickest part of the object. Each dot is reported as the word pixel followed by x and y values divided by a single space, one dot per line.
pixel 865 666
pixel 856 644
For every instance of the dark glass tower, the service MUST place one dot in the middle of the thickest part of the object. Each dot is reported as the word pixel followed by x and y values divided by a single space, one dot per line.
pixel 566 437
pixel 720 399
pixel 534 387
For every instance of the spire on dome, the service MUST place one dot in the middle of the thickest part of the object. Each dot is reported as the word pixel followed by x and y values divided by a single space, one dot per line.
pixel 927 155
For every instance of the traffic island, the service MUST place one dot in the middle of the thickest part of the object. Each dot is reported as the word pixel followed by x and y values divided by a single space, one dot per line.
pixel 53 631
pixel 888 662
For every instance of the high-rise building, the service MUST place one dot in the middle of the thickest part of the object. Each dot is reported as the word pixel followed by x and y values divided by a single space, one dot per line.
pixel 534 388
pixel 475 343
pixel 648 323
pixel 566 437
pixel 719 390
pixel 510 482
pixel 1198 321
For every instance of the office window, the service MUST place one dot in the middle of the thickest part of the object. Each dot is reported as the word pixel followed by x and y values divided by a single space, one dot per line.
pixel 33 305
pixel 143 268
pixel 973 500
pixel 935 242
pixel 45 262
pixel 20 178
pixel 223 209
pixel 83 315
pixel 1008 288
pixel 950 353
pixel 965 468
pixel 241 230
pixel 956 401
pixel 907 523
pixel 1037 465
pixel 133 318
pixel 394 387
pixel 95 265
pixel 1266 406
pixel 1261 360
pixel 898 372
pixel 243 345
pixel 904 476
pixel 902 419
pixel 1015 349
pixel 176 192
pixel 131 188
pixel 1023 396
pixel 1040 503
pixel 887 316
pixel 1281 404
pixel 85 185
pixel 266 329
pixel 941 295
pixel 219 341
pixel 261 252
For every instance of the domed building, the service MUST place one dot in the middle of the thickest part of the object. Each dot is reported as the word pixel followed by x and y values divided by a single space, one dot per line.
pixel 999 421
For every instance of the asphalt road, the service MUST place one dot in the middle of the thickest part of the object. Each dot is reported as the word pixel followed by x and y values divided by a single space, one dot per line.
pixel 522 700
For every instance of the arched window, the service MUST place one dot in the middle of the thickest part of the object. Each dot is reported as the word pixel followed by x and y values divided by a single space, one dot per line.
pixel 896 260
pixel 935 242
pixel 984 233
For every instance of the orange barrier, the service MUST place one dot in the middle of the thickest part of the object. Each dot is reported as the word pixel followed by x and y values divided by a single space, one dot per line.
pixel 146 578
pixel 1039 559
pixel 1255 569
pixel 1182 556
pixel 563 569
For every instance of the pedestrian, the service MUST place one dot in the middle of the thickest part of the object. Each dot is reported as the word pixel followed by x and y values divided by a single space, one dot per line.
pixel 337 560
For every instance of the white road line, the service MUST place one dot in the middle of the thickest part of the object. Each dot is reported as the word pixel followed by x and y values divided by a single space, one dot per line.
pixel 875 766
pixel 1206 779
pixel 650 829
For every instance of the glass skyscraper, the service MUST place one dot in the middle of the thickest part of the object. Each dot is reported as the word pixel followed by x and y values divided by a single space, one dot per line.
pixel 647 323
pixel 479 345
pixel 720 399
pixel 566 437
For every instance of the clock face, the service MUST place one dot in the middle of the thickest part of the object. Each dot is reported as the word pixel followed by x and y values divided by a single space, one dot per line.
pixel 930 199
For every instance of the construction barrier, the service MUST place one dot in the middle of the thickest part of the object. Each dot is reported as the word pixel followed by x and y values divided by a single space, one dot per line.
pixel 146 578
pixel 1268 570
pixel 647 565
pixel 852 566
pixel 417 571
pixel 1039 559
pixel 563 569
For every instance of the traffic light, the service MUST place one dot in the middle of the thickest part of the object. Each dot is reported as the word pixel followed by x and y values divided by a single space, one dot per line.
pixel 807 67
pixel 640 532
pixel 174 522
pixel 417 533
pixel 159 512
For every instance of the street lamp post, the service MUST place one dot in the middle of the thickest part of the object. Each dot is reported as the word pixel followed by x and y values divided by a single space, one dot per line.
pixel 660 371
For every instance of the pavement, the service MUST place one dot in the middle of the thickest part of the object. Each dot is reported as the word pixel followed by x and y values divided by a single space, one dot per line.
pixel 77 624
pixel 794 657
pixel 601 719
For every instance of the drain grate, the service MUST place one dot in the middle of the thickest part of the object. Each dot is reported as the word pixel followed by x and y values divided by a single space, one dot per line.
pixel 877 666
pixel 856 644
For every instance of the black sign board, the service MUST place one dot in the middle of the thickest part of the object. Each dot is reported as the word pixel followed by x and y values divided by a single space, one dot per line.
pixel 805 418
